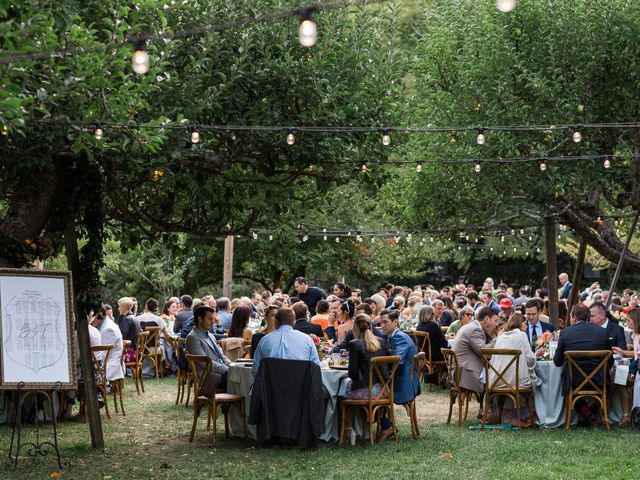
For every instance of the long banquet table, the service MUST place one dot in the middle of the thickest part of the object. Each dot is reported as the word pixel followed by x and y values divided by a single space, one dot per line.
pixel 239 382
pixel 550 403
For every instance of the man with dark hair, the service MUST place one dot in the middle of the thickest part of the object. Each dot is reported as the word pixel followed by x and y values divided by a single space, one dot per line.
pixel 468 342
pixel 183 315
pixel 200 341
pixel 535 326
pixel 487 299
pixel 302 321
pixel 150 319
pixel 474 301
pixel 309 295
pixel 285 342
pixel 395 291
pixel 582 335
pixel 615 333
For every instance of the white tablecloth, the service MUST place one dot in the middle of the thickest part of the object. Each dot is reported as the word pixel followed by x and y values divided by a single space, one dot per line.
pixel 239 382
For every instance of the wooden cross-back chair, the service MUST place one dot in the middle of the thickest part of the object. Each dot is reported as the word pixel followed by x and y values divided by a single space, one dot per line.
pixel 374 406
pixel 588 386
pixel 499 386
pixel 410 406
pixel 152 349
pixel 185 378
pixel 117 386
pixel 430 366
pixel 456 392
pixel 136 365
pixel 100 355
pixel 201 366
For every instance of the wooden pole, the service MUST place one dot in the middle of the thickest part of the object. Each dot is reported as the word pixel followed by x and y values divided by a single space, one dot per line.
pixel 86 360
pixel 227 276
pixel 621 261
pixel 577 275
pixel 552 268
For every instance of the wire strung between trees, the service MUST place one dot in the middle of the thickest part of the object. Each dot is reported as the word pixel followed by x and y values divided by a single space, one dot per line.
pixel 196 31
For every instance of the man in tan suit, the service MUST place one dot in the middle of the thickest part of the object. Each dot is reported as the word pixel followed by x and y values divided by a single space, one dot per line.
pixel 467 344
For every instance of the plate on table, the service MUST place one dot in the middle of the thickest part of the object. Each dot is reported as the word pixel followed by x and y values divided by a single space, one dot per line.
pixel 339 367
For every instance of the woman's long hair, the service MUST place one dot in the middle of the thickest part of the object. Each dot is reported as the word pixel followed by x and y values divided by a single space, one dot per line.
pixel 362 329
pixel 239 321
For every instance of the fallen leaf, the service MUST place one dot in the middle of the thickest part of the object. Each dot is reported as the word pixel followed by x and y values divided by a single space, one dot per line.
pixel 55 475
pixel 447 454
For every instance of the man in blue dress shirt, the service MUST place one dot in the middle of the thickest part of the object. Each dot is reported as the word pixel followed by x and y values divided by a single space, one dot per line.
pixel 285 342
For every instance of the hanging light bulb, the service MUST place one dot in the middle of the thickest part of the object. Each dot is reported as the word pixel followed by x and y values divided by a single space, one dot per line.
pixel 307 30
pixel 477 168
pixel 607 163
pixel 195 135
pixel 363 167
pixel 270 237
pixel 324 238
pixel 505 6
pixel 291 138
pixel 543 166
pixel 386 137
pixel 419 166
pixel 305 238
pixel 577 136
pixel 140 58
pixel 480 139
pixel 513 232
pixel 522 231
pixel 5 130
pixel 99 133
pixel 337 239
pixel 373 239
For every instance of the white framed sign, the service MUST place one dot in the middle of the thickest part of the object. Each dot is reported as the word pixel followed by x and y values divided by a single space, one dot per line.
pixel 36 330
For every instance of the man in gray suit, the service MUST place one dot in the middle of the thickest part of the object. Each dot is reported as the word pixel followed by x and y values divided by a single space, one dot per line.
pixel 467 344
pixel 201 342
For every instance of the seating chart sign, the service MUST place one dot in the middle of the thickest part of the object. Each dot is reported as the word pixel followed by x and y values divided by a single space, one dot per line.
pixel 36 318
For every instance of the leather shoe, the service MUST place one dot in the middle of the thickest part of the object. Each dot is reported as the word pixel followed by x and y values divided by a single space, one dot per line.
pixel 386 434
pixel 635 418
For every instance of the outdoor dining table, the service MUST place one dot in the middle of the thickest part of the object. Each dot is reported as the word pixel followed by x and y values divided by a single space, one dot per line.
pixel 550 403
pixel 239 381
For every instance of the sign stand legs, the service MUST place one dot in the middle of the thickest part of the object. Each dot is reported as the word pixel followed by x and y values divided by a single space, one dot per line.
pixel 37 448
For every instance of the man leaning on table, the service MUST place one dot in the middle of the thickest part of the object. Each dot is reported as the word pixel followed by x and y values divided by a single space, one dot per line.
pixel 285 342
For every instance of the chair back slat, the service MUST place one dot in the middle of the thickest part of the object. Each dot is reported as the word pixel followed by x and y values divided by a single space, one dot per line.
pixel 453 367
pixel 154 337
pixel 588 379
pixel 376 375
pixel 200 366
pixel 500 382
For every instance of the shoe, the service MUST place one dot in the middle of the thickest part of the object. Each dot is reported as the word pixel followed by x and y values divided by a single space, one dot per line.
pixel 635 418
pixel 386 434
pixel 625 420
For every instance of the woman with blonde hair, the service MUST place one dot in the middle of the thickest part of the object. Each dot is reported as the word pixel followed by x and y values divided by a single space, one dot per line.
pixel 380 302
pixel 412 311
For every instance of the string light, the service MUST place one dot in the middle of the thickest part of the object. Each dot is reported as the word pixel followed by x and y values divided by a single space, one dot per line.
pixel 577 136
pixel 337 239
pixel 305 238
pixel 140 58
pixel 386 137
pixel 363 167
pixel 505 6
pixel 270 237
pixel 324 238
pixel 5 130
pixel 543 165
pixel 254 235
pixel 291 138
pixel 419 166
pixel 195 135
pixel 477 168
pixel 480 139
pixel 307 30
pixel 99 133
pixel 607 163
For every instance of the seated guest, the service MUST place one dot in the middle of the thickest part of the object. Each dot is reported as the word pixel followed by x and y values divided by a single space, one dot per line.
pixel 186 301
pixel 285 342
pixel 270 325
pixel 239 322
pixel 224 312
pixel 615 333
pixel 322 317
pixel 346 313
pixel 407 386
pixel 633 322
pixel 466 315
pixel 469 340
pixel 582 335
pixel 110 335
pixel 515 338
pixel 365 309
pixel 427 323
pixel 200 341
pixel 125 321
pixel 302 323
pixel 535 325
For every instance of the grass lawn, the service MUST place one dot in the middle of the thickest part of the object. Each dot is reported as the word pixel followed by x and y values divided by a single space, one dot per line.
pixel 152 442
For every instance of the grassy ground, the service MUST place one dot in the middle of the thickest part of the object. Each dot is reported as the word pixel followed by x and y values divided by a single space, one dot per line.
pixel 152 442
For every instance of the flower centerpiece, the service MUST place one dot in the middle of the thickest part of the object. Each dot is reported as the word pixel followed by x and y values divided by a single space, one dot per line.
pixel 543 342
pixel 318 343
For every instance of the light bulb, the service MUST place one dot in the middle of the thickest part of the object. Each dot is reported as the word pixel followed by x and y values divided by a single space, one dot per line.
pixel 607 163
pixel 195 136
pixel 373 239
pixel 505 6
pixel 307 33
pixel 480 139
pixel 270 237
pixel 99 133
pixel 363 167
pixel 291 138
pixel 324 238
pixel 337 239
pixel 5 130
pixel 513 231
pixel 305 238
pixel 386 138
pixel 419 167
pixel 254 235
pixel 477 168
pixel 577 136
pixel 140 59
pixel 543 166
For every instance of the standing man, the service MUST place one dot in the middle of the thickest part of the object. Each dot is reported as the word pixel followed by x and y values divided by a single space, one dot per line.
pixel 487 298
pixel 309 295
pixel 565 286
pixel 406 388
pixel 535 326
